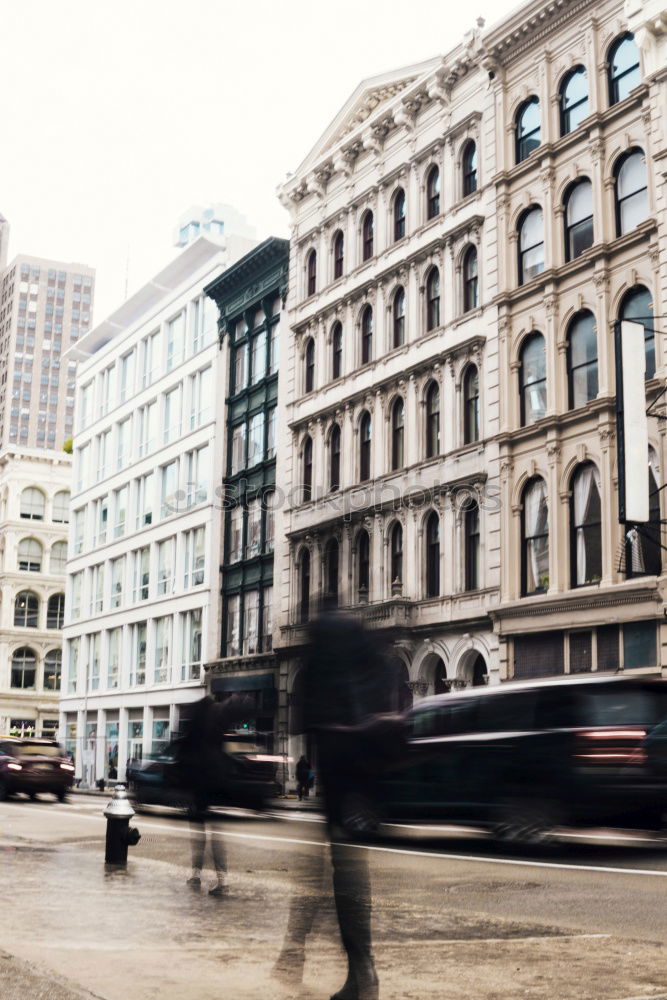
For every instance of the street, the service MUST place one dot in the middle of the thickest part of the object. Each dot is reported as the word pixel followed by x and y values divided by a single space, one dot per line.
pixel 453 917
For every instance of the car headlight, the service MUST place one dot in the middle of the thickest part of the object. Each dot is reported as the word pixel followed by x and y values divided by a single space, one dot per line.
pixel 14 767
pixel 66 767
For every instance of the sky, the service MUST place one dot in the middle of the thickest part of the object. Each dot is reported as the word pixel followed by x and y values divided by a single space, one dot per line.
pixel 117 117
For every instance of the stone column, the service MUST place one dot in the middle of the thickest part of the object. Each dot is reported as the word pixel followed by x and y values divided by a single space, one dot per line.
pixel 379 463
pixel 558 520
pixel 411 430
pixel 609 511
pixel 605 335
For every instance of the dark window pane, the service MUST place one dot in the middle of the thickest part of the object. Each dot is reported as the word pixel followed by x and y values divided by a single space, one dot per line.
pixel 639 646
pixel 538 655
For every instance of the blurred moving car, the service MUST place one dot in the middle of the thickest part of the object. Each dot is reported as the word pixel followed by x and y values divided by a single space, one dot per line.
pixel 32 765
pixel 246 776
pixel 524 758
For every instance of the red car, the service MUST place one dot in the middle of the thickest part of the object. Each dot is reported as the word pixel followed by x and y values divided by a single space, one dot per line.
pixel 32 766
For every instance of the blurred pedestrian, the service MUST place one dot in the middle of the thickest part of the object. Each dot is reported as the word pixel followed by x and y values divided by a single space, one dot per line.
pixel 303 773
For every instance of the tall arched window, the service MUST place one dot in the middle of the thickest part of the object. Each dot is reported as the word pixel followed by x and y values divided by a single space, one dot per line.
pixel 337 351
pixel 55 611
pixel 624 69
pixel 398 311
pixel 367 236
pixel 472 546
pixel 535 538
pixel 53 669
pixel 331 554
pixel 58 560
pixel 433 555
pixel 363 564
pixel 433 420
pixel 578 219
pixel 365 447
pixel 586 525
pixel 527 129
pixel 338 254
pixel 311 271
pixel 367 335
pixel 304 586
pixel 61 506
pixel 582 360
pixel 643 551
pixel 399 214
pixel 30 555
pixel 531 244
pixel 24 668
pixel 433 299
pixel 334 458
pixel 533 379
pixel 637 306
pixel 33 504
pixel 433 193
pixel 397 434
pixel 396 543
pixel 307 461
pixel 26 609
pixel 573 100
pixel 469 163
pixel 631 191
pixel 309 380
pixel 471 405
pixel 470 280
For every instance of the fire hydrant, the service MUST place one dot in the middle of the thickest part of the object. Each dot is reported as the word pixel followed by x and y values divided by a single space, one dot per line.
pixel 120 835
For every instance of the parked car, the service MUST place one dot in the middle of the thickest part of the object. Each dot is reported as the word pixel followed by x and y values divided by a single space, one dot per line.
pixel 32 766
pixel 247 776
pixel 523 758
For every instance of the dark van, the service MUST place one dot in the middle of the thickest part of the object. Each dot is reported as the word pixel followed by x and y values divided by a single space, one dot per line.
pixel 524 758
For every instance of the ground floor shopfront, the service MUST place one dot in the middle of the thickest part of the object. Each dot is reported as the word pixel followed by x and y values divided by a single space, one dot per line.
pixel 23 713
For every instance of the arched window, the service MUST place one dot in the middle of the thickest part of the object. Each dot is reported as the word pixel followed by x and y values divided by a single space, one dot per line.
pixel 582 359
pixel 30 555
pixel 433 420
pixel 334 458
pixel 331 568
pixel 399 214
pixel 33 504
pixel 337 351
pixel 533 379
pixel 397 434
pixel 624 69
pixel 469 163
pixel 367 335
pixel 433 299
pixel 309 380
pixel 573 100
pixel 586 525
pixel 578 219
pixel 24 668
pixel 61 507
pixel 26 609
pixel 637 306
pixel 398 311
pixel 53 669
pixel 304 586
pixel 365 447
pixel 535 538
pixel 307 468
pixel 472 546
pixel 367 236
pixel 531 244
pixel 397 554
pixel 58 560
pixel 527 129
pixel 55 611
pixel 338 254
pixel 470 280
pixel 363 564
pixel 433 193
pixel 311 272
pixel 471 405
pixel 433 555
pixel 643 551
pixel 631 191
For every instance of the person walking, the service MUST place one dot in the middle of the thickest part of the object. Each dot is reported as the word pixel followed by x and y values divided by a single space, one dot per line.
pixel 303 773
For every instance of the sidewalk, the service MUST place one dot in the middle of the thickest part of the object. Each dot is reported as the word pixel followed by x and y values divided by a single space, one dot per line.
pixel 313 803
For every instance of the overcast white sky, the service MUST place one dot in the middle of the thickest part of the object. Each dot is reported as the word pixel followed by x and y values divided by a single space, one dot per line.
pixel 116 117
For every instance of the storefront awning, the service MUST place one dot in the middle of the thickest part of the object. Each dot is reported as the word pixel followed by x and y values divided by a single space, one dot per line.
pixel 246 682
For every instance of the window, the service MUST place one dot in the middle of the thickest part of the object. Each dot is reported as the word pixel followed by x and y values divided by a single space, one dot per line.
pixel 631 191
pixel 233 626
pixel 250 622
pixel 527 129
pixel 365 447
pixel 166 552
pixel 198 474
pixel 147 428
pixel 24 668
pixel 150 361
pixel 338 254
pixel 471 405
pixel 398 434
pixel 163 628
pixel 126 386
pixel 337 351
pixel 470 280
pixel 58 560
pixel 535 538
pixel 168 487
pixel 432 420
pixel 173 412
pixel 33 504
pixel 397 554
pixel 120 511
pixel 586 526
pixel 573 100
pixel 304 586
pixel 138 661
pixel 331 567
pixel 363 565
pixel 472 546
pixel 624 69
pixel 531 244
pixel 238 459
pixel 433 193
pixel 113 657
pixel 578 219
pixel 61 507
pixel 271 427
pixel 123 445
pixel 366 335
pixel 117 581
pixel 201 395
pixel 269 521
pixel 97 588
pixel 235 534
pixel 469 163
pixel 175 340
pixel 309 381
pixel 307 463
pixel 103 455
pixel 144 501
pixel 107 388
pixel 274 348
pixel 101 520
pixel 77 581
pixel 643 555
pixel 334 458
pixel 433 555
pixel 253 542
pixel 582 360
pixel 258 357
pixel 639 645
pixel 55 611
pixel 195 556
pixel 191 656
pixel 533 379
pixel 367 236
pixel 433 299
pixel 142 573
pixel 398 313
pixel 240 367
pixel 311 273
pixel 399 215
pixel 26 609
pixel 256 439
pixel 637 306
pixel 30 555
pixel 53 668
